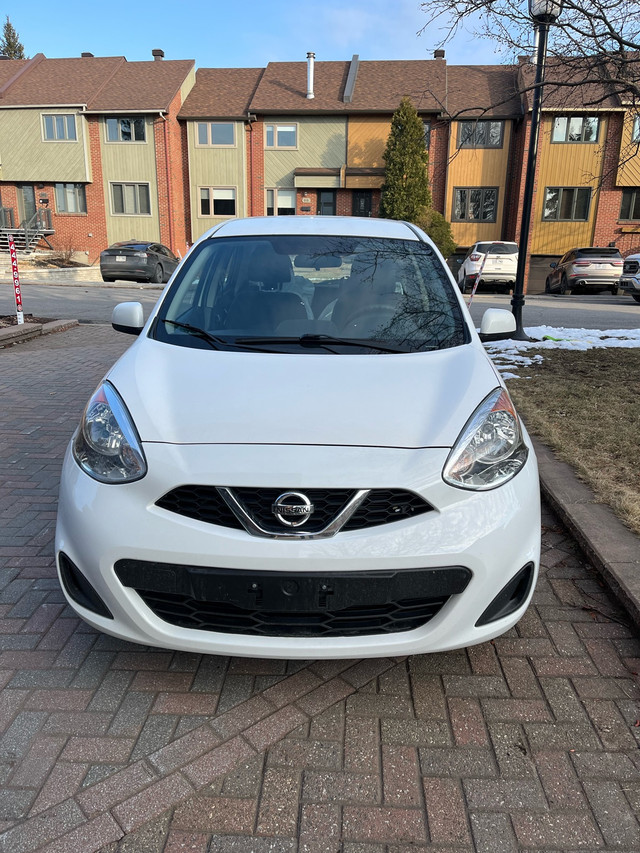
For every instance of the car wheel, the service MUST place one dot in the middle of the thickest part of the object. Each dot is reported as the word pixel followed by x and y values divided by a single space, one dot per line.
pixel 614 291
pixel 468 283
pixel 564 285
pixel 547 286
pixel 107 278
pixel 158 275
pixel 636 296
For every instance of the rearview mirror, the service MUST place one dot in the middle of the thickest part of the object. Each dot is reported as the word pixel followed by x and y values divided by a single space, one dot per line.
pixel 127 317
pixel 497 324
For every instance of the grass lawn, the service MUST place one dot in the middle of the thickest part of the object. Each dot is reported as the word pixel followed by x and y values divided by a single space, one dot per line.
pixel 586 406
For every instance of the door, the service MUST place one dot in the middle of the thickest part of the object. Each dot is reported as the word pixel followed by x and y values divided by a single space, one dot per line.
pixel 26 202
pixel 327 203
pixel 362 203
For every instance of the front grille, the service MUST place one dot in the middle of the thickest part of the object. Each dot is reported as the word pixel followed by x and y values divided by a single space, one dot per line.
pixel 381 506
pixel 631 267
pixel 287 604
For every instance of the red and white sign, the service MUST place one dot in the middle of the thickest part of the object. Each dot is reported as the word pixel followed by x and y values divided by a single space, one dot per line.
pixel 16 280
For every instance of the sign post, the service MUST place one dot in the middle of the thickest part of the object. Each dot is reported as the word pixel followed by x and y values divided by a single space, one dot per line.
pixel 16 280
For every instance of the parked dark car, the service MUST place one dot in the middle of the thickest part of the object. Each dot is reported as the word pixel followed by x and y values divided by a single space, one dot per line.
pixel 588 269
pixel 137 260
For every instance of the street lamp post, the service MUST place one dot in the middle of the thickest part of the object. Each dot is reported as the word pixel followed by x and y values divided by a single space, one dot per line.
pixel 544 13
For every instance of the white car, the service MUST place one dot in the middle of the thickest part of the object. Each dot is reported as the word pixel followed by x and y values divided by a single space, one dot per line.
pixel 306 453
pixel 490 263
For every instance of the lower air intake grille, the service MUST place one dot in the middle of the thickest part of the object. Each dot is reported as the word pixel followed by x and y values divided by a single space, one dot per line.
pixel 285 604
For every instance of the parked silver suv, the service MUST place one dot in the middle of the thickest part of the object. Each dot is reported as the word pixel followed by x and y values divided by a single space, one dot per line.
pixel 588 269
pixel 630 281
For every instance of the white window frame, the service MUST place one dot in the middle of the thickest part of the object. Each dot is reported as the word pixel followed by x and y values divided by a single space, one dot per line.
pixel 113 184
pixel 275 191
pixel 212 200
pixel 209 143
pixel 635 129
pixel 280 124
pixel 55 138
pixel 581 141
pixel 80 194
pixel 120 140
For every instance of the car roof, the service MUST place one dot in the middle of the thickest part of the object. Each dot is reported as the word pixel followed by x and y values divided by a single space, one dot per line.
pixel 339 226
pixel 132 243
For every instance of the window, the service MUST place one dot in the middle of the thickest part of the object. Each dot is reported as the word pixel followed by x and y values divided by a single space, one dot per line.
pixel 566 203
pixel 635 133
pixel 71 198
pixel 475 204
pixel 630 208
pixel 126 130
pixel 281 202
pixel 480 134
pixel 217 134
pixel 131 199
pixel 281 135
pixel 58 128
pixel 217 201
pixel 426 127
pixel 575 129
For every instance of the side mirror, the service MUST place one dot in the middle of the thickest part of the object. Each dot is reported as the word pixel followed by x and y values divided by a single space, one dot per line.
pixel 127 317
pixel 497 324
pixel 553 265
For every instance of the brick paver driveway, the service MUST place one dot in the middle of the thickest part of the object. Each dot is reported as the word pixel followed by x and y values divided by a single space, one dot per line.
pixel 528 743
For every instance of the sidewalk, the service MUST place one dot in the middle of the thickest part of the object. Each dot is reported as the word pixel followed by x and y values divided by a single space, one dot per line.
pixel 528 743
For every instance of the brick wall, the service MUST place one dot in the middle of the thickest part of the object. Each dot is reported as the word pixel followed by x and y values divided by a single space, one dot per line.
pixel 255 169
pixel 438 161
pixel 169 153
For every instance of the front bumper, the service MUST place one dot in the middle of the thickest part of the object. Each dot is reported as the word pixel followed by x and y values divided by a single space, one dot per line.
pixel 489 535
pixel 630 284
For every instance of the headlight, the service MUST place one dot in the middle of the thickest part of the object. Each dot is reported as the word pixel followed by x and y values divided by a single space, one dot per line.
pixel 107 445
pixel 490 449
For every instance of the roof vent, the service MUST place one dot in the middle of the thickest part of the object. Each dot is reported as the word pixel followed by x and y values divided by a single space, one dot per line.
pixel 310 63
pixel 157 54
pixel 86 55
pixel 438 54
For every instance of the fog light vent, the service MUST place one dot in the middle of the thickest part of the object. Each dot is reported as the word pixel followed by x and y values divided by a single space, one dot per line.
pixel 510 598
pixel 79 589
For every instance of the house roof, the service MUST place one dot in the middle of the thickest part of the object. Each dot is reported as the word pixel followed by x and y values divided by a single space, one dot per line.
pixel 482 91
pixel 565 87
pixel 101 83
pixel 379 87
pixel 221 93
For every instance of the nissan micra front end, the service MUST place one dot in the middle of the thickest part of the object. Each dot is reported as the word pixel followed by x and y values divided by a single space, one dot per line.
pixel 305 453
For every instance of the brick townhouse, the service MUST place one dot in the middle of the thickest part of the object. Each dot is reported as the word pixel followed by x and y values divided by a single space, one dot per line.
pixel 91 151
pixel 101 149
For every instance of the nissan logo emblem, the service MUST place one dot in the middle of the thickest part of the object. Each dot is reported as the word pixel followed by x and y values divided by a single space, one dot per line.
pixel 292 509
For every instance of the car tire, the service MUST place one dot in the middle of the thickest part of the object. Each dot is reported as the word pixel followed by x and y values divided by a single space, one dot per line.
pixel 108 278
pixel 158 275
pixel 547 286
pixel 636 296
pixel 614 291
pixel 564 285
pixel 467 284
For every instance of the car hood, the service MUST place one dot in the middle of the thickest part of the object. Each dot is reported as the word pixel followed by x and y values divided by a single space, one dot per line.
pixel 197 396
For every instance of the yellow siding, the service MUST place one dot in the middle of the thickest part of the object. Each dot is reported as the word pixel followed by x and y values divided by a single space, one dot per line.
pixel 364 182
pixel 477 167
pixel 367 141
pixel 130 162
pixel 565 165
pixel 629 168
pixel 321 143
pixel 27 157
pixel 187 85
pixel 215 167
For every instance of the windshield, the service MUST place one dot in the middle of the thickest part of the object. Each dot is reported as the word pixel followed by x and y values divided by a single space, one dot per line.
pixel 312 294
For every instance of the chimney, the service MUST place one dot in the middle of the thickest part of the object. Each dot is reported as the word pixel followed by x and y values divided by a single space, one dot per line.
pixel 438 54
pixel 86 55
pixel 310 60
pixel 350 85
pixel 157 54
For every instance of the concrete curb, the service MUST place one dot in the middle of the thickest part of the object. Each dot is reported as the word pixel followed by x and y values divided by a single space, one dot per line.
pixel 18 334
pixel 88 283
pixel 613 549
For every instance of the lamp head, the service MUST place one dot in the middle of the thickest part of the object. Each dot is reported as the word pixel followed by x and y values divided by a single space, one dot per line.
pixel 545 11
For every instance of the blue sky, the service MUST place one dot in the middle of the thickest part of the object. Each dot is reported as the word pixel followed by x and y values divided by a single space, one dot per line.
pixel 238 33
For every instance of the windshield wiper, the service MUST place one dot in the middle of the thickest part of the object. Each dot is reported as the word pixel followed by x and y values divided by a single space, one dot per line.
pixel 322 341
pixel 213 340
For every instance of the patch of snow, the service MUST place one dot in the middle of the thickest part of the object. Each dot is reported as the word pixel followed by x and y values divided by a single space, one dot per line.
pixel 510 355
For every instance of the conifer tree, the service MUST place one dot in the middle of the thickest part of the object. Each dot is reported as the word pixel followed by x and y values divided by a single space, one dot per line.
pixel 10 44
pixel 405 193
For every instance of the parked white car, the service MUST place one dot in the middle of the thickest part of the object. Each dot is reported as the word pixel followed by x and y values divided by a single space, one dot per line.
pixel 495 264
pixel 306 453
pixel 630 281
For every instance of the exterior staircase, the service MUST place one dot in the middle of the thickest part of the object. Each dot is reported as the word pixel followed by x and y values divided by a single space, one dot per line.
pixel 27 234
